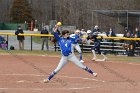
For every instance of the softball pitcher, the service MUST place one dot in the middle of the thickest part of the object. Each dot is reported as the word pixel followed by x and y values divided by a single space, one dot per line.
pixel 67 54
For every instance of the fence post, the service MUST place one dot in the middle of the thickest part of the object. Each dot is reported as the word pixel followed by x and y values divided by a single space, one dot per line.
pixel 7 42
pixel 31 43
pixel 113 48
pixel 55 46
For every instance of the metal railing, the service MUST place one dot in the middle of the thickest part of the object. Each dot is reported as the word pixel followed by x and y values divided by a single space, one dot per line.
pixel 31 37
pixel 115 46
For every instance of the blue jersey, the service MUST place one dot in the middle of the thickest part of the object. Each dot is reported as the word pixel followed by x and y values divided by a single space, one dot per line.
pixel 75 38
pixel 65 44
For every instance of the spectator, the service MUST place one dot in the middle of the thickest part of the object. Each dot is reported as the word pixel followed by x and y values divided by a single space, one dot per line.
pixel 83 32
pixel 127 42
pixel 127 35
pixel 44 38
pixel 136 42
pixel 3 43
pixel 96 30
pixel 126 32
pixel 137 35
pixel 110 33
pixel 20 38
pixel 137 32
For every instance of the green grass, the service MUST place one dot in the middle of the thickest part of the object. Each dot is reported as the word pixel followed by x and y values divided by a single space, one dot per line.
pixel 29 52
pixel 37 39
pixel 114 58
pixel 111 57
pixel 123 58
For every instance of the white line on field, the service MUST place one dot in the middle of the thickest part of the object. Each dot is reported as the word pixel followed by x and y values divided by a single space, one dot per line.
pixel 40 89
pixel 129 63
pixel 36 75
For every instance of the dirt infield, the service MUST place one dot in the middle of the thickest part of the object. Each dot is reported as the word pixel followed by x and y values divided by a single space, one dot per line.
pixel 24 73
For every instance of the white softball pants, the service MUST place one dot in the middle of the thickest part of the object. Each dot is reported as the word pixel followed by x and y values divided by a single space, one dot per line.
pixel 64 61
pixel 77 47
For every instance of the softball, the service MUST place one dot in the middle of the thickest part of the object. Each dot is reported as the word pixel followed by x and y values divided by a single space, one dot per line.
pixel 59 24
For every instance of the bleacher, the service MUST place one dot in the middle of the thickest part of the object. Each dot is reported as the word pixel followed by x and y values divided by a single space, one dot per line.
pixel 107 47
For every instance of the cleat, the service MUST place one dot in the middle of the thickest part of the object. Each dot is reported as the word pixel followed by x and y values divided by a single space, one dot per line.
pixel 106 58
pixel 95 74
pixel 93 59
pixel 81 61
pixel 46 81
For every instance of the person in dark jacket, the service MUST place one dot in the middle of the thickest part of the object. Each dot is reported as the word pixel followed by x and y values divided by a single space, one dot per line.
pixel 137 32
pixel 136 35
pixel 110 33
pixel 20 38
pixel 44 38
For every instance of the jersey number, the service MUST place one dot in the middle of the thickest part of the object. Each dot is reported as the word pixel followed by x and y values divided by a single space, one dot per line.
pixel 66 45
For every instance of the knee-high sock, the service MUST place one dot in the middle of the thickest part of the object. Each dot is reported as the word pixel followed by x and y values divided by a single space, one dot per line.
pixel 51 76
pixel 88 70
pixel 93 51
pixel 80 56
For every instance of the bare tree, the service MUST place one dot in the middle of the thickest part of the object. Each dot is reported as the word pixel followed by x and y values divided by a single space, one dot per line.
pixel 74 12
pixel 20 13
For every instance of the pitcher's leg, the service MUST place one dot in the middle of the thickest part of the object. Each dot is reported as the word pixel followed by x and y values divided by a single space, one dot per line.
pixel 74 59
pixel 61 64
